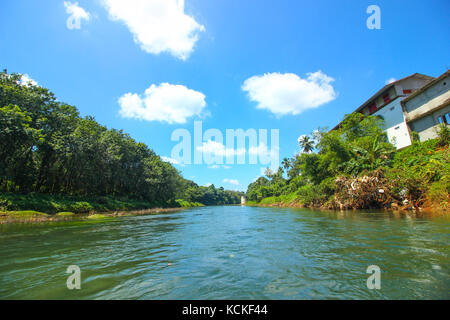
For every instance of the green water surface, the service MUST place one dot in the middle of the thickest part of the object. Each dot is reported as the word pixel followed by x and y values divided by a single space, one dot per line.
pixel 229 252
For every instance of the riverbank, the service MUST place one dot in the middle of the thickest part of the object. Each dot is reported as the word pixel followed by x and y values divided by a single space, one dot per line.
pixel 35 216
pixel 354 171
pixel 34 207
pixel 53 204
pixel 429 208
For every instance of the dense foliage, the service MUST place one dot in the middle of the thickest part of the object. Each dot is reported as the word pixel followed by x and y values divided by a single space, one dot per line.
pixel 358 154
pixel 46 147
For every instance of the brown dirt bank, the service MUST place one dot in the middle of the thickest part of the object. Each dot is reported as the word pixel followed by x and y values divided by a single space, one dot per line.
pixel 428 209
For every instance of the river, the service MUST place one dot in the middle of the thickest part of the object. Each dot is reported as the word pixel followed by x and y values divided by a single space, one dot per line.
pixel 229 252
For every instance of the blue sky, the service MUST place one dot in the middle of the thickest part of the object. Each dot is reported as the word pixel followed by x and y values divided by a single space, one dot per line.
pixel 207 50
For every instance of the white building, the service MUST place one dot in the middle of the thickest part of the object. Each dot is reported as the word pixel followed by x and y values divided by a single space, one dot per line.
pixel 428 107
pixel 387 104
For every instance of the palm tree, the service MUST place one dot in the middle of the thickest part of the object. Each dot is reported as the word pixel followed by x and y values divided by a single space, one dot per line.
pixel 306 143
pixel 269 173
pixel 286 163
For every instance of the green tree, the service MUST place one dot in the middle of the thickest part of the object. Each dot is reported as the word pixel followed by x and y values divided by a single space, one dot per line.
pixel 306 144
pixel 46 147
pixel 286 163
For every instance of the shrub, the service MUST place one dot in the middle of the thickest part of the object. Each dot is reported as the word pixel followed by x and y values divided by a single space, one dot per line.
pixel 5 204
pixel 187 204
pixel 416 154
pixel 439 193
pixel 443 135
pixel 289 198
pixel 26 214
pixel 270 200
pixel 328 187
pixel 311 195
pixel 81 207
pixel 97 216
pixel 65 214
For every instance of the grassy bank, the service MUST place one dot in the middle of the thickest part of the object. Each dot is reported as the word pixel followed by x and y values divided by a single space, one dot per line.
pixel 53 204
pixel 66 205
pixel 35 216
pixel 285 200
pixel 188 204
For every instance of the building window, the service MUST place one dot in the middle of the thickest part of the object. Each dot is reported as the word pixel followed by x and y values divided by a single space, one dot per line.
pixel 444 119
pixel 407 91
pixel 372 108
pixel 386 98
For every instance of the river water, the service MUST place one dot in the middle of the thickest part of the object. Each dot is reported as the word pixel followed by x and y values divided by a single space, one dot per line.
pixel 229 252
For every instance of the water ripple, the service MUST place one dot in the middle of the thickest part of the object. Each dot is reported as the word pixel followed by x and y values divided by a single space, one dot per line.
pixel 229 253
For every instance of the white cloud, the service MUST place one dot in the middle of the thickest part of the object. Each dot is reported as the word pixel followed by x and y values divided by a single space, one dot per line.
pixel 157 25
pixel 231 181
pixel 287 93
pixel 218 149
pixel 216 166
pixel 166 103
pixel 170 160
pixel 263 151
pixel 26 80
pixel 391 80
pixel 76 13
